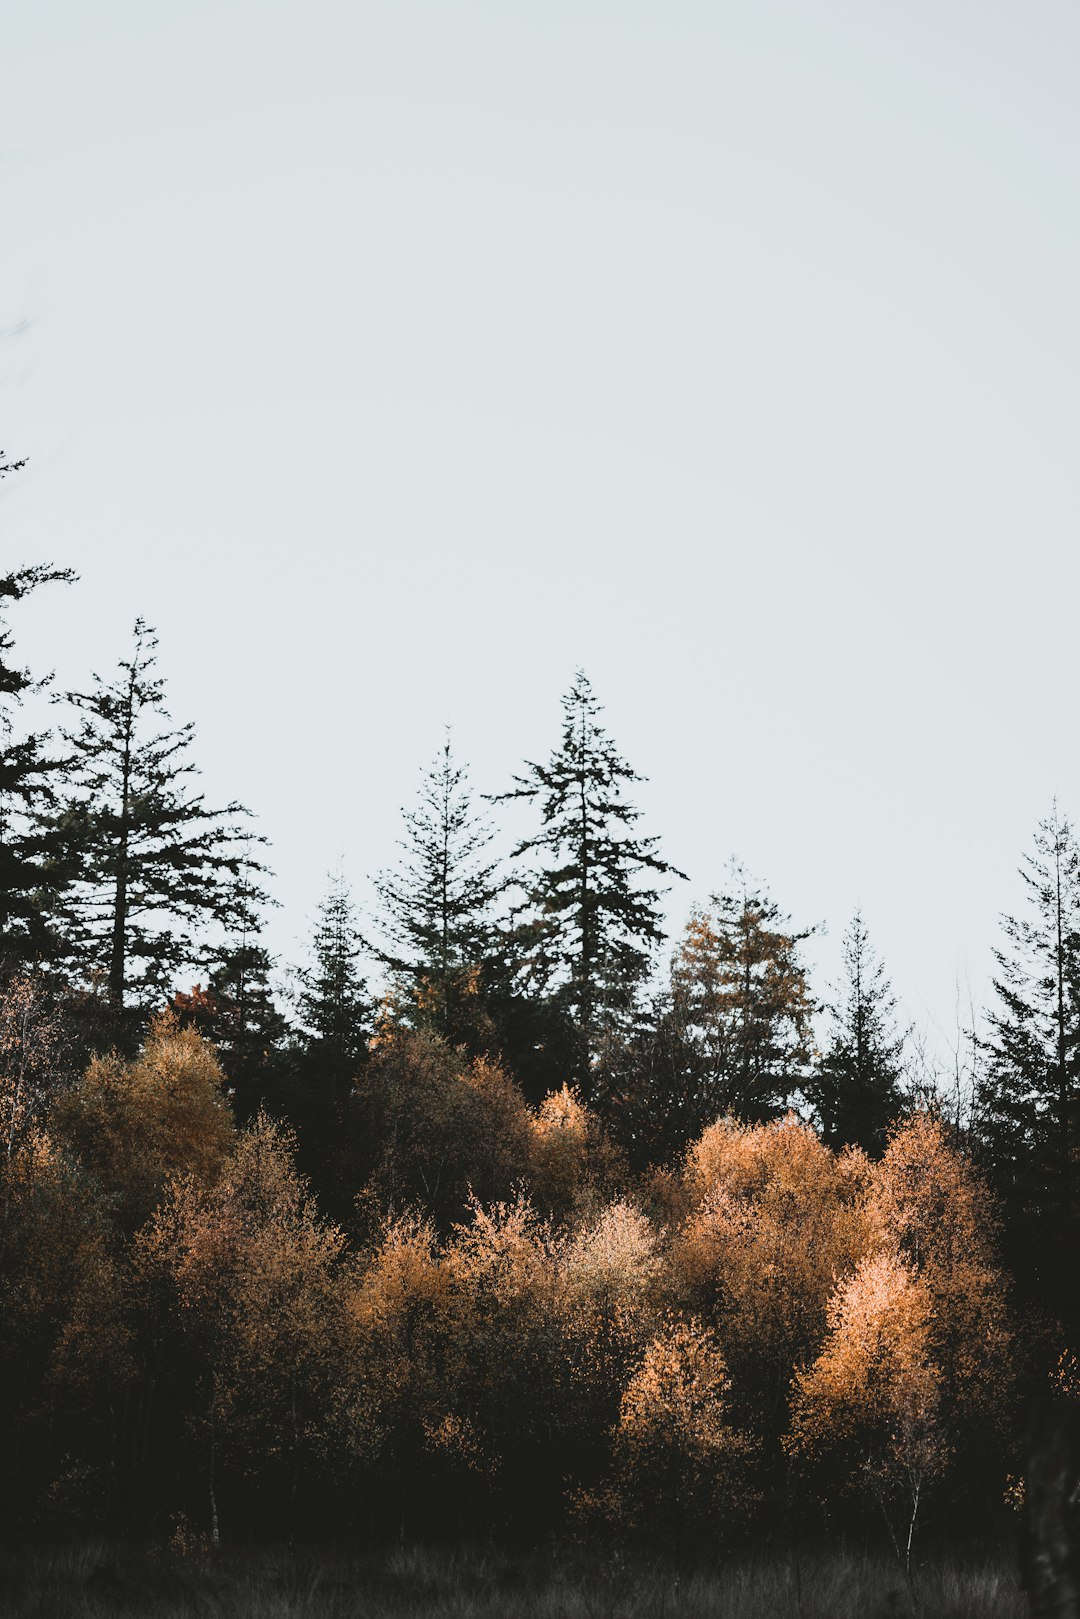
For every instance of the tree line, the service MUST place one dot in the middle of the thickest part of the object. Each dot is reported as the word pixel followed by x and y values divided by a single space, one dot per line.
pixel 541 1227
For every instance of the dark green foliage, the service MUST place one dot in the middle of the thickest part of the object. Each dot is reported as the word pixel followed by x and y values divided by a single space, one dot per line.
pixel 156 865
pixel 237 1010
pixel 590 923
pixel 857 1084
pixel 1027 1112
pixel 31 853
pixel 438 907
pixel 333 1005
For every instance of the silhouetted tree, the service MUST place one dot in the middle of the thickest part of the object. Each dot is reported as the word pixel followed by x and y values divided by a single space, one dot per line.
pixel 31 853
pixel 438 907
pixel 1027 1107
pixel 157 865
pixel 856 1086
pixel 333 1005
pixel 590 922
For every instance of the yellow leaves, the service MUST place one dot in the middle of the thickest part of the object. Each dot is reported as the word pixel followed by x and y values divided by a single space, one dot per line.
pixel 133 1124
pixel 775 1219
pixel 875 1396
pixel 678 1396
pixel 252 1271
pixel 877 1362
pixel 572 1163
pixel 675 1451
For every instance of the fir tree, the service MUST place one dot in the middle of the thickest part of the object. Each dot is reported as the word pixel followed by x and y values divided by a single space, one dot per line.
pixel 856 1086
pixel 237 1010
pixel 590 921
pixel 157 865
pixel 1027 1111
pixel 333 1004
pixel 31 854
pixel 438 907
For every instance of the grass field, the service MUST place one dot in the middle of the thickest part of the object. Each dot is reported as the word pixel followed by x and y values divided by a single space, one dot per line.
pixel 94 1581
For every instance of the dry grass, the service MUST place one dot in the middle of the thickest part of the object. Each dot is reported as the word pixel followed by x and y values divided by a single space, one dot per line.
pixel 97 1582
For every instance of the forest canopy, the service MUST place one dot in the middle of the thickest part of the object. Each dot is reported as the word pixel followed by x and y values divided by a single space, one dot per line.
pixel 502 1208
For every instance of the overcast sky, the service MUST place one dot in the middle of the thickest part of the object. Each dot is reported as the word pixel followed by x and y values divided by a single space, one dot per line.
pixel 395 359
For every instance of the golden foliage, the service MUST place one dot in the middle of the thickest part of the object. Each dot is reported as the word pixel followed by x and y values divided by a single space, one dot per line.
pixel 572 1165
pixel 676 1455
pixel 252 1271
pixel 134 1124
pixel 927 1206
pixel 776 1219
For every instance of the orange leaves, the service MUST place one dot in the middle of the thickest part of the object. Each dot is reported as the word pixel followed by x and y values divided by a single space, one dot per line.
pixel 775 1219
pixel 876 1375
pixel 133 1124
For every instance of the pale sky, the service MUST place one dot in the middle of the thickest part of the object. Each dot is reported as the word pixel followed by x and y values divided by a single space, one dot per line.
pixel 395 359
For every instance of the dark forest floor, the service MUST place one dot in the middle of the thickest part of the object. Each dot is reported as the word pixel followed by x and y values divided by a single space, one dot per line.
pixel 95 1581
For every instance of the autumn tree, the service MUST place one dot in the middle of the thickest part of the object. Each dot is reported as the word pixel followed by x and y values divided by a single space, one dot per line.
pixel 591 920
pixel 252 1271
pixel 574 1166
pixel 1027 1106
pixel 157 865
pixel 135 1123
pixel 733 1033
pixel 856 1086
pixel 872 1401
pixel 34 1054
pixel 438 907
pixel 429 1127
pixel 679 1460
pixel 774 1218
pixel 32 854
pixel 65 1338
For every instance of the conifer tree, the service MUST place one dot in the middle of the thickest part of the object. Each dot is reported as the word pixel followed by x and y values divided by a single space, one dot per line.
pixel 856 1086
pixel 31 855
pixel 157 865
pixel 439 905
pixel 591 921
pixel 237 1010
pixel 333 1004
pixel 1027 1114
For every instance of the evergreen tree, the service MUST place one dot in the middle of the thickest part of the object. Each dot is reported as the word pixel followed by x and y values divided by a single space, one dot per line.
pixel 591 922
pixel 438 906
pixel 31 854
pixel 333 1004
pixel 237 1010
pixel 856 1086
pixel 157 865
pixel 1027 1112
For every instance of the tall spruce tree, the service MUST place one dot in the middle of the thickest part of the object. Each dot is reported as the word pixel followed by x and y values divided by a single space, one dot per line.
pixel 31 855
pixel 439 906
pixel 591 920
pixel 158 867
pixel 1028 1110
pixel 333 1004
pixel 857 1084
